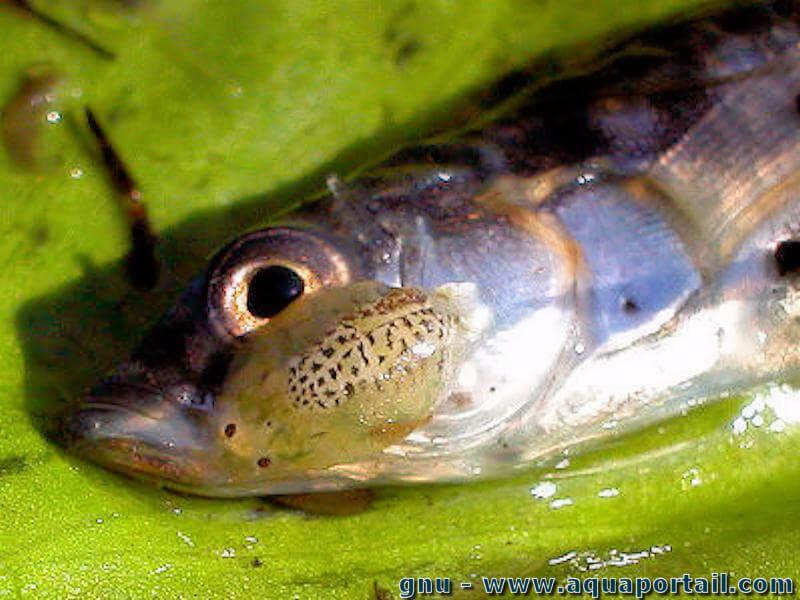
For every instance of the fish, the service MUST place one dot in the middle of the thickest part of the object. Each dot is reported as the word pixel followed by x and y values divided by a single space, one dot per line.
pixel 591 255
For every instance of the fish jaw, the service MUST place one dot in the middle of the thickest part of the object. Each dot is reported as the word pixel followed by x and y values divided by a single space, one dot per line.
pixel 135 430
pixel 156 420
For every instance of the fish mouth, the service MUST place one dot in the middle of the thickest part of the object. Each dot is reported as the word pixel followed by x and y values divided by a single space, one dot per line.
pixel 138 430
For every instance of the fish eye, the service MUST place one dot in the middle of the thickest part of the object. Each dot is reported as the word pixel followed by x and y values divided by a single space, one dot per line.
pixel 255 277
pixel 272 289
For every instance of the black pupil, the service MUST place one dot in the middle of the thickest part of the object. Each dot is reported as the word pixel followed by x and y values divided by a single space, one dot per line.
pixel 271 290
pixel 787 256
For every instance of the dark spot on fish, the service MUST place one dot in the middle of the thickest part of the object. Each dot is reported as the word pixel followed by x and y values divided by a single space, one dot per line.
pixel 492 390
pixel 349 389
pixel 787 257
pixel 363 354
pixel 264 462
pixel 333 373
pixel 341 339
pixel 327 352
pixel 13 464
pixel 315 367
pixel 629 305
pixel 230 430
pixel 354 371
pixel 268 423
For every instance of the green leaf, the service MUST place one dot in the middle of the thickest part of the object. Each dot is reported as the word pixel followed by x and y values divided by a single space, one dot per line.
pixel 227 112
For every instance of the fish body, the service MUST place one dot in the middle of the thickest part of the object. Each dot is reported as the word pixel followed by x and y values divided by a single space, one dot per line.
pixel 616 244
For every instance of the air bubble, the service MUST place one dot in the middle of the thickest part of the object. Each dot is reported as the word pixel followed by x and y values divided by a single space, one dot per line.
pixel 544 490
pixel 561 503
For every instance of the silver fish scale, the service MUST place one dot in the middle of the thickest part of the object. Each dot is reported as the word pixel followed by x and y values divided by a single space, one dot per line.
pixel 673 293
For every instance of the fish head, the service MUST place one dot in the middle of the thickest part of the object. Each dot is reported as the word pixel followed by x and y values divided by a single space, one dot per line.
pixel 278 366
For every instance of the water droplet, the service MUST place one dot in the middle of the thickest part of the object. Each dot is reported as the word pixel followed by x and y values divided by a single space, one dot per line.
pixel 777 426
pixel 563 558
pixel 76 172
pixel 53 117
pixel 161 569
pixel 580 348
pixel 691 478
pixel 228 553
pixel 562 464
pixel 543 490
pixel 608 493
pixel 251 539
pixel 561 503
pixel 475 554
pixel 186 539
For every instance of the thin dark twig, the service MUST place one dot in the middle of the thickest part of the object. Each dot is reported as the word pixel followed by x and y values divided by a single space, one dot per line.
pixel 62 28
pixel 142 264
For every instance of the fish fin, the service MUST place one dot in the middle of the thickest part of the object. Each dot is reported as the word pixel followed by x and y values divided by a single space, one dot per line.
pixel 336 504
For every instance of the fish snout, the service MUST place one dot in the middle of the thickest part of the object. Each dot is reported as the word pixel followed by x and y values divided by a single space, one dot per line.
pixel 139 430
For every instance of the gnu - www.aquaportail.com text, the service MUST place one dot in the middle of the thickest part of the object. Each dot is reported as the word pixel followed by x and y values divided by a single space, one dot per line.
pixel 718 584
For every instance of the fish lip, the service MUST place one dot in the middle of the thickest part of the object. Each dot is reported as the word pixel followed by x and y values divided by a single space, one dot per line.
pixel 135 429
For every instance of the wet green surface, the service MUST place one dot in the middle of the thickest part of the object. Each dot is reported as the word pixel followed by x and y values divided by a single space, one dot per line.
pixel 225 112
